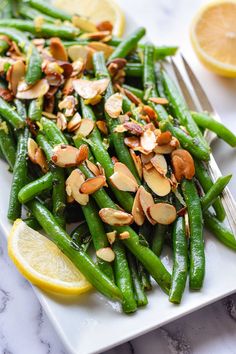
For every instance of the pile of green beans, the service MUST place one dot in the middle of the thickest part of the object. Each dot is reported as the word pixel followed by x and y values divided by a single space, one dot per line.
pixel 34 129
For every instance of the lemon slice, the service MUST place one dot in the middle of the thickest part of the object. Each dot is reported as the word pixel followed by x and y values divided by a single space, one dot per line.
pixel 213 36
pixel 42 263
pixel 97 11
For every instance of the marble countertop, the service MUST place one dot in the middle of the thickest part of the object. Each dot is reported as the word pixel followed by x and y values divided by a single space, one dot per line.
pixel 24 327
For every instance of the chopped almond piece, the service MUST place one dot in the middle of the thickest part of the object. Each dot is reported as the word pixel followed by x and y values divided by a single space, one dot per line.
pixel 160 164
pixel 111 236
pixel 68 156
pixel 137 162
pixel 148 140
pixel 106 254
pixel 159 100
pixel 122 168
pixel 164 138
pixel 115 217
pixel 39 89
pixel 162 213
pixel 73 184
pixel 113 105
pixel 159 184
pixel 61 121
pixel 132 142
pixel 137 211
pixel 124 235
pixel 101 47
pixel 123 182
pixel 93 168
pixel 74 123
pixel 183 164
pixel 58 50
pixel 101 124
pixel 88 89
pixel 91 185
pixel 146 200
pixel 86 127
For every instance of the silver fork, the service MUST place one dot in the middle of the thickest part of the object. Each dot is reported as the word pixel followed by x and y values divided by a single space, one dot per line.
pixel 205 105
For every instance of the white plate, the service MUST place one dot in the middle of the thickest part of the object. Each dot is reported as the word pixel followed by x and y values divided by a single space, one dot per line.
pixel 92 324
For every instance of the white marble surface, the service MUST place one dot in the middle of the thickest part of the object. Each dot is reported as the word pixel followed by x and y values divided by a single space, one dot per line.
pixel 24 327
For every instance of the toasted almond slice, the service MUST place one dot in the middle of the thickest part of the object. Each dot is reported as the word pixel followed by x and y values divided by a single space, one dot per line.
pixel 88 89
pixel 120 129
pixel 78 52
pixel 147 158
pixel 148 166
pixel 106 254
pixel 111 236
pixel 17 73
pixel 164 138
pixel 67 155
pixel 40 159
pixel 115 217
pixel 113 105
pixel 91 185
pixel 123 182
pixel 92 167
pixel 134 128
pixel 183 164
pixel 73 184
pixel 159 184
pixel 61 121
pixel 147 110
pixel 162 213
pixel 57 49
pixel 32 148
pixel 35 91
pixel 74 123
pixel 137 162
pixel 102 47
pixel 69 104
pixel 124 235
pixel 160 164
pixel 101 169
pixel 122 168
pixel 159 100
pixel 163 149
pixel 86 127
pixel 146 200
pixel 137 211
pixel 83 23
pixel 97 36
pixel 101 124
pixel 148 140
pixel 132 97
pixel 104 26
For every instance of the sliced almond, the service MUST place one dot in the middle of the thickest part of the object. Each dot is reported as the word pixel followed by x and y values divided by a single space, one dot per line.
pixel 137 210
pixel 101 124
pixel 68 156
pixel 88 89
pixel 68 87
pixel 17 73
pixel 160 164
pixel 57 49
pixel 122 168
pixel 101 47
pixel 164 138
pixel 111 236
pixel 91 185
pixel 159 100
pixel 137 162
pixel 32 148
pixel 61 121
pixel 159 184
pixel 40 159
pixel 69 104
pixel 164 149
pixel 78 52
pixel 133 128
pixel 148 140
pixel 97 36
pixel 162 213
pixel 113 105
pixel 132 97
pixel 35 91
pixel 106 254
pixel 124 235
pixel 115 217
pixel 183 164
pixel 74 123
pixel 86 127
pixel 119 129
pixel 146 200
pixel 104 26
pixel 148 111
pixel 93 168
pixel 83 23
pixel 123 182
pixel 148 166
pixel 147 158
pixel 73 184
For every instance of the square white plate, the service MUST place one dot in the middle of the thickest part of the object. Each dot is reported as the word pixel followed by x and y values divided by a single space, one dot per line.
pixel 92 324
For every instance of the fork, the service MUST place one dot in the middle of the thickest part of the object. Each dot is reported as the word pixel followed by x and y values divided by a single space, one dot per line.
pixel 228 201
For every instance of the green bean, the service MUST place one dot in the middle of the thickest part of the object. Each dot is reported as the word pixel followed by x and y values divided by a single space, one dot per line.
pixel 101 155
pixel 44 144
pixel 1 154
pixel 134 69
pixel 99 236
pixel 54 135
pixel 204 120
pixel 34 188
pixel 5 9
pixel 206 183
pixel 9 113
pixel 32 222
pixel 44 30
pixel 140 296
pixel 159 238
pixel 33 67
pixel 35 109
pixel 123 278
pixel 20 108
pixel 185 140
pixel 81 236
pixel 144 277
pixel 183 114
pixel 128 44
pixel 3 46
pixel 219 230
pixel 137 92
pixel 19 37
pixel 19 176
pixel 50 10
pixel 150 261
pixel 80 259
pixel 197 254
pixel 117 138
pixel 180 266
pixel 213 193
pixel 32 14
pixel 7 144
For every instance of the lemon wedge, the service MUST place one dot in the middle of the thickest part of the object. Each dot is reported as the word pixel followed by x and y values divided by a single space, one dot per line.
pixel 41 262
pixel 97 11
pixel 213 36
